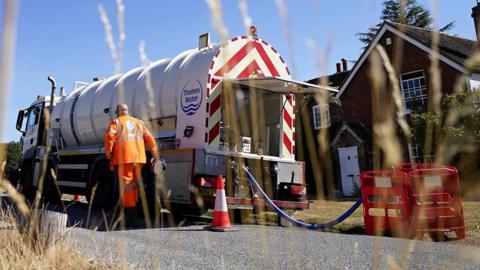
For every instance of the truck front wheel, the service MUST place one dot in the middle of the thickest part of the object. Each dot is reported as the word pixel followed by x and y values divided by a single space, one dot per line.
pixel 25 185
pixel 51 192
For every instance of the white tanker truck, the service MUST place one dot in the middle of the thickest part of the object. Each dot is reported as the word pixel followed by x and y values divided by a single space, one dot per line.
pixel 211 109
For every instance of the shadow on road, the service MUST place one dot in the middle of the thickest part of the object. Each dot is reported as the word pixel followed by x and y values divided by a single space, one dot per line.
pixel 79 216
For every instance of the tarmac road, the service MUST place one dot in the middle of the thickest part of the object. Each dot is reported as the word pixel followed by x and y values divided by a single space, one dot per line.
pixel 264 247
pixel 255 247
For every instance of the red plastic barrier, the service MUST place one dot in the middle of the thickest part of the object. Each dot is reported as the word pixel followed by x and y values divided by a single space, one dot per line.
pixel 436 201
pixel 408 167
pixel 385 202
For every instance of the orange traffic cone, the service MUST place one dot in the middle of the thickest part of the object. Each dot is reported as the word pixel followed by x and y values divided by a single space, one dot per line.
pixel 221 221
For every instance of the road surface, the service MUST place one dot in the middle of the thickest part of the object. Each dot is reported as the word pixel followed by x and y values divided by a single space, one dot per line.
pixel 267 247
pixel 254 247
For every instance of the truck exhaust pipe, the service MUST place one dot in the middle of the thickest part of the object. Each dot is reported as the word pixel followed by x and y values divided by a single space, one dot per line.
pixel 52 95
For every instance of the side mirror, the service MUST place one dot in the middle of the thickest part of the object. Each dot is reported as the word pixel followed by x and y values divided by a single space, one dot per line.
pixel 21 115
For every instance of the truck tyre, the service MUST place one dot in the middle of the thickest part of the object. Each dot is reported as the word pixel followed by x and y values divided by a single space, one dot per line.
pixel 103 187
pixel 149 184
pixel 26 181
pixel 51 192
pixel 180 211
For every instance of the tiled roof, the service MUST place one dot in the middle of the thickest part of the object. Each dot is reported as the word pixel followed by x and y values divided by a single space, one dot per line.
pixel 334 80
pixel 455 48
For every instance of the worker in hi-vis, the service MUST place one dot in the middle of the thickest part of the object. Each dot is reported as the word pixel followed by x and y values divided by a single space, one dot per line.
pixel 125 142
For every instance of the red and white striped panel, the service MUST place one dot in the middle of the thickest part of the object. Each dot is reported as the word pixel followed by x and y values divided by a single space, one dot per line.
pixel 288 138
pixel 242 57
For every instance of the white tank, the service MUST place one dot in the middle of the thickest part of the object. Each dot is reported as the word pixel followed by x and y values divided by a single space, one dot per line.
pixel 158 91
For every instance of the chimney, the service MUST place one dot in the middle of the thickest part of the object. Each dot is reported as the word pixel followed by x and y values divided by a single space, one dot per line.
pixel 476 19
pixel 344 65
pixel 338 67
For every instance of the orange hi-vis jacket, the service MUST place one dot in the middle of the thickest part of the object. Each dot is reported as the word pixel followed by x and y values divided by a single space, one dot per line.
pixel 125 140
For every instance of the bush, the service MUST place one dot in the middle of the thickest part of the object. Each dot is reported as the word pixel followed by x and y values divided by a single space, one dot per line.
pixel 12 157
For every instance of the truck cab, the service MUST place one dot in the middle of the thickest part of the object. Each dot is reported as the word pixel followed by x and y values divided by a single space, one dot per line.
pixel 33 123
pixel 30 126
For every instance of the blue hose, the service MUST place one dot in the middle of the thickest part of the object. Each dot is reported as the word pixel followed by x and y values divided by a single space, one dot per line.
pixel 299 223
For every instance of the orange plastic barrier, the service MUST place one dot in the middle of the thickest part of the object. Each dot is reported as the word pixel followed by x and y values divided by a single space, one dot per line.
pixel 408 167
pixel 436 201
pixel 386 206
pixel 413 199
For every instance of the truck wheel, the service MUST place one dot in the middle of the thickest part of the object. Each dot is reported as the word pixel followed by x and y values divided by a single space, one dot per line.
pixel 182 211
pixel 51 192
pixel 103 187
pixel 26 181
pixel 149 185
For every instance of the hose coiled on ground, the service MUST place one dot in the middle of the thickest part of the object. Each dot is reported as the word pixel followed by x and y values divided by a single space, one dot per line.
pixel 296 222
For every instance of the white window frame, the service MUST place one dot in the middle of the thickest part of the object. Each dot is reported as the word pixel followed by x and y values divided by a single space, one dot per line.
pixel 417 156
pixel 321 116
pixel 423 96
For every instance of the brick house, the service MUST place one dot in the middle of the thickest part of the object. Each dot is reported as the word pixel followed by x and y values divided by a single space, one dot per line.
pixel 311 119
pixel 351 141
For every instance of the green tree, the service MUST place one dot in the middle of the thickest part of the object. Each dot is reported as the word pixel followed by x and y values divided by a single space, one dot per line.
pixel 458 136
pixel 12 158
pixel 459 122
pixel 408 12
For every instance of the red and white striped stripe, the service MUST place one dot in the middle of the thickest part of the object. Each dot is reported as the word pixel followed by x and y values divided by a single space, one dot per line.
pixel 288 137
pixel 239 58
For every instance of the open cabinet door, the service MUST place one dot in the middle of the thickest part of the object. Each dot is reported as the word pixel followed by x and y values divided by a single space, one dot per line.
pixel 280 85
pixel 261 110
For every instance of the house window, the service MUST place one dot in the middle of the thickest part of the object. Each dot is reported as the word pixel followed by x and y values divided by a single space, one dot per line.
pixel 321 116
pixel 414 89
pixel 417 155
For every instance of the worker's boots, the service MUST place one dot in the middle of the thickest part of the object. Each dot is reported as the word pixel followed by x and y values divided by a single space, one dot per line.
pixel 131 214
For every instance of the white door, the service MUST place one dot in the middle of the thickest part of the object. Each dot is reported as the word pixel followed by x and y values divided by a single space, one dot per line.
pixel 349 169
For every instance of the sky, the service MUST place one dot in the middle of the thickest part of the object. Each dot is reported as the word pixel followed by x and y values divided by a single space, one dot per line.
pixel 65 39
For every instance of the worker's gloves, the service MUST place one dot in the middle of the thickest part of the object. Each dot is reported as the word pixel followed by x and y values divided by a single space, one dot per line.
pixel 108 155
pixel 158 166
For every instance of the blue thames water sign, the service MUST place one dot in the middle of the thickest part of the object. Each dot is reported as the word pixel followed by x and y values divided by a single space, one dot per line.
pixel 191 97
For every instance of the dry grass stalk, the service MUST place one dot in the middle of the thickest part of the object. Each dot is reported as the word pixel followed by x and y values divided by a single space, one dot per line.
pixel 15 197
pixel 161 190
pixel 283 11
pixel 435 97
pixel 109 38
pixel 215 8
pixel 385 139
pixel 323 137
pixel 247 20
pixel 6 56
pixel 313 157
pixel 325 172
pixel 7 53
pixel 446 149
pixel 396 93
pixel 19 248
pixel 42 247
pixel 121 30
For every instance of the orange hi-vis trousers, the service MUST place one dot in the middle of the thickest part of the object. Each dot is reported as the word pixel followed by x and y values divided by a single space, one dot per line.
pixel 128 176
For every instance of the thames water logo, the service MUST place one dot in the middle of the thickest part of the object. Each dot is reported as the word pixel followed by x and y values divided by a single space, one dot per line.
pixel 130 127
pixel 191 97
